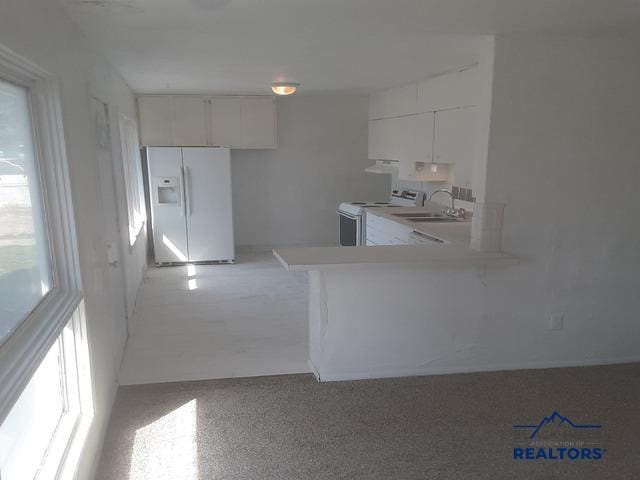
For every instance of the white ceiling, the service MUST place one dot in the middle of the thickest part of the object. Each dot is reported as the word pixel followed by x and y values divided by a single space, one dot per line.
pixel 338 46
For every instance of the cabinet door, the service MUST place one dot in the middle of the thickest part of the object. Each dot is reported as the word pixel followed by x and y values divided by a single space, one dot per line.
pixel 451 90
pixel 419 141
pixel 455 143
pixel 393 102
pixel 375 140
pixel 189 121
pixel 258 122
pixel 156 120
pixel 423 137
pixel 226 122
pixel 401 138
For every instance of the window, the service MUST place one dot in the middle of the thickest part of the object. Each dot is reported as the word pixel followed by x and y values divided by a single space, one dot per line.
pixel 25 266
pixel 34 438
pixel 45 401
pixel 132 176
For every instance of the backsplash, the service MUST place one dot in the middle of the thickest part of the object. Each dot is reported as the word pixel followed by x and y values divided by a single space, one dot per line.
pixel 462 193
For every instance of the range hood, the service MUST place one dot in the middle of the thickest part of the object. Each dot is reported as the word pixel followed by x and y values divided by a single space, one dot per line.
pixel 389 167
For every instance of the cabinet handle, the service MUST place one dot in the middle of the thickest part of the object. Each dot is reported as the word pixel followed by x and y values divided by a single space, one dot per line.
pixel 187 189
pixel 183 210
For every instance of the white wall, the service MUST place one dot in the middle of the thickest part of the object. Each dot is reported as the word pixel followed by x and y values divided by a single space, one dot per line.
pixel 40 31
pixel 564 156
pixel 289 196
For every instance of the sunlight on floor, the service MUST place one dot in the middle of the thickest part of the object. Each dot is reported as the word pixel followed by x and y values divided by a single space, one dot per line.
pixel 192 283
pixel 167 448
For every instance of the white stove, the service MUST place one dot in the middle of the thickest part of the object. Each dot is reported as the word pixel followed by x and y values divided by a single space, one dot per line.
pixel 351 214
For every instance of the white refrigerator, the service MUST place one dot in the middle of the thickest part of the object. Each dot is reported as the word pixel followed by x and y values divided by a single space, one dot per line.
pixel 191 204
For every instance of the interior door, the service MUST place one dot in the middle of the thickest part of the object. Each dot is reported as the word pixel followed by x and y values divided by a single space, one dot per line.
pixel 207 173
pixel 166 183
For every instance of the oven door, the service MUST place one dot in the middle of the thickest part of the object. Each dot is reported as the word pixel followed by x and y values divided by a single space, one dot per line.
pixel 350 230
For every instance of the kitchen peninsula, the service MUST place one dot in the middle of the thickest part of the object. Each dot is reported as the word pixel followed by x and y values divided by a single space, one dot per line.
pixel 398 310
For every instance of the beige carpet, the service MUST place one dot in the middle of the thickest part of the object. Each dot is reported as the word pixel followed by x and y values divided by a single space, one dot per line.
pixel 440 427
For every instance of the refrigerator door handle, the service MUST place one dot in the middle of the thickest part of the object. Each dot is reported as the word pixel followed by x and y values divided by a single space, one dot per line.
pixel 183 187
pixel 187 190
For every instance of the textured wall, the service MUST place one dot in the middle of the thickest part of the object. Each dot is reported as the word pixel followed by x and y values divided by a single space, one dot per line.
pixel 40 31
pixel 289 196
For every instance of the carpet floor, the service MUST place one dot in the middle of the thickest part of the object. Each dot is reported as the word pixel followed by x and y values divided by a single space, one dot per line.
pixel 439 427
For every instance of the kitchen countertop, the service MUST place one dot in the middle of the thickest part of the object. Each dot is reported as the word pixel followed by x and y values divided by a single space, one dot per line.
pixel 458 232
pixel 456 253
pixel 297 259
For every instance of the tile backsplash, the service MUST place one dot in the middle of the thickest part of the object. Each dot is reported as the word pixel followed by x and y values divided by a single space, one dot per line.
pixel 462 193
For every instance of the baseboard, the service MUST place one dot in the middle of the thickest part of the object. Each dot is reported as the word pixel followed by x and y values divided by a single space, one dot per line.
pixel 424 371
pixel 314 370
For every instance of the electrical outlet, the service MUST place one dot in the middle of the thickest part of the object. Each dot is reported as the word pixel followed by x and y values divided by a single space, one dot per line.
pixel 555 321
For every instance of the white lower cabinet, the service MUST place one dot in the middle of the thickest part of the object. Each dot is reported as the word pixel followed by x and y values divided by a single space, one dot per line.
pixel 383 231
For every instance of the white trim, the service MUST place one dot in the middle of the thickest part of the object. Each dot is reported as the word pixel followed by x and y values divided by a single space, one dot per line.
pixel 423 371
pixel 133 177
pixel 23 351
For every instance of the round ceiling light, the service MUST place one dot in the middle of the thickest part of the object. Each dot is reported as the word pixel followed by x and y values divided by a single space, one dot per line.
pixel 284 88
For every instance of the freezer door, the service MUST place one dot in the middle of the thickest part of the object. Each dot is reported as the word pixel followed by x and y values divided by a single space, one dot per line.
pixel 207 177
pixel 167 205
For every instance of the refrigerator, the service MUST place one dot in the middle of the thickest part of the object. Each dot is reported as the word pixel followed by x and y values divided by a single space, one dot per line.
pixel 191 215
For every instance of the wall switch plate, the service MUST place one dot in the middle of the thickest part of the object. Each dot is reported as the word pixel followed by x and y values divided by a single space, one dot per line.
pixel 555 321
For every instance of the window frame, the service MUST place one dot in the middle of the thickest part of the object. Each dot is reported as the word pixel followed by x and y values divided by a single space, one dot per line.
pixel 22 352
pixel 133 176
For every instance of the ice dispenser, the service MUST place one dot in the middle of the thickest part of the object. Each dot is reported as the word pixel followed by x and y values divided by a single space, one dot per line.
pixel 167 191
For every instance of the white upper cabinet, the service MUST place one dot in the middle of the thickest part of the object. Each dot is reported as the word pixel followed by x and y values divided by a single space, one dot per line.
pixel 407 139
pixel 451 90
pixel 394 102
pixel 258 122
pixel 423 137
pixel 375 140
pixel 194 121
pixel 433 120
pixel 189 121
pixel 226 121
pixel 156 122
pixel 243 122
pixel 455 143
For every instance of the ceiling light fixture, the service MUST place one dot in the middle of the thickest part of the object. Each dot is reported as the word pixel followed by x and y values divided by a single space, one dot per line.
pixel 284 88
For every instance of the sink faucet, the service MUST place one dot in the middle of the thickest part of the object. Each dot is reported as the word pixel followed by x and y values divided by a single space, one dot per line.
pixel 453 211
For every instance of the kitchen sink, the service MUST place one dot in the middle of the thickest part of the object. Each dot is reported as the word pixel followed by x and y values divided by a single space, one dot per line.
pixel 418 215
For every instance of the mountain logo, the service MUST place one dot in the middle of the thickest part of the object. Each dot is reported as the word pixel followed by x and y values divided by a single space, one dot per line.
pixel 555 420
